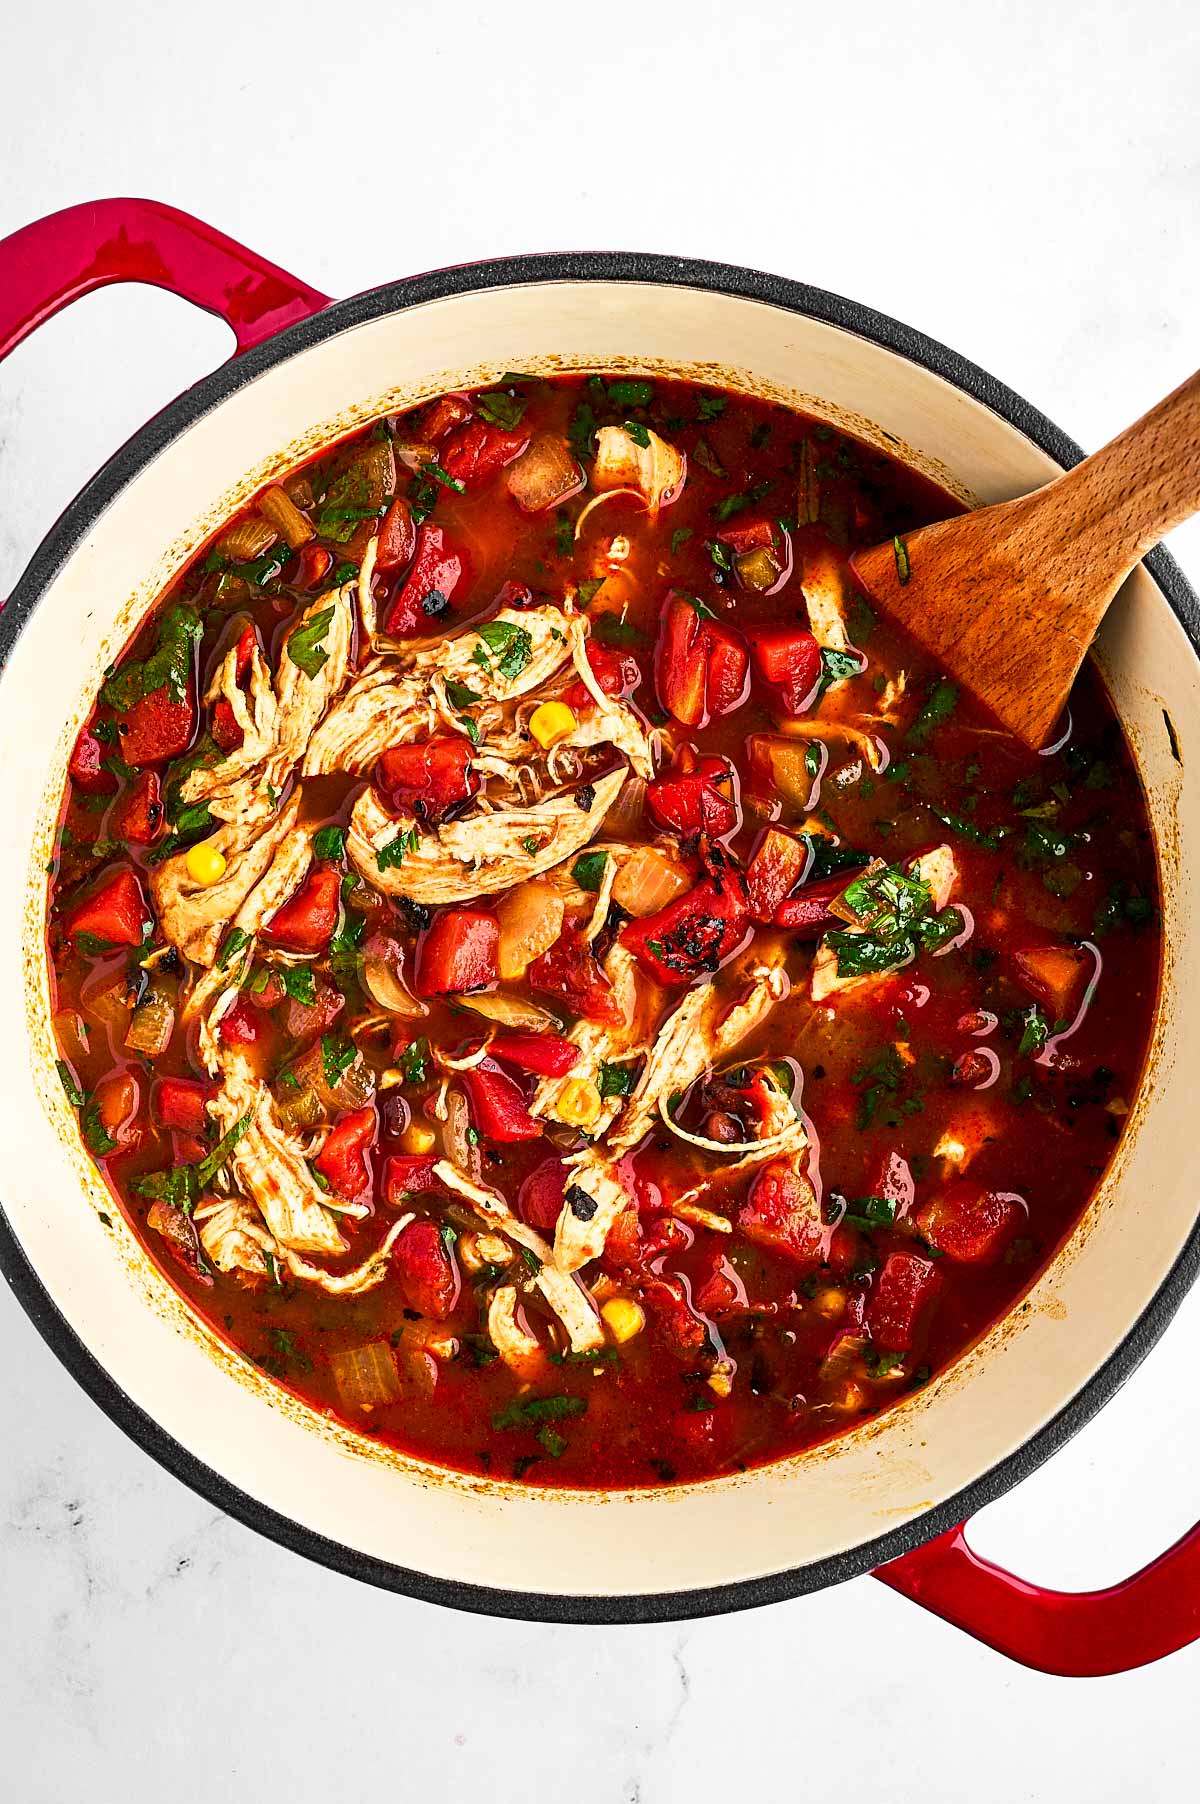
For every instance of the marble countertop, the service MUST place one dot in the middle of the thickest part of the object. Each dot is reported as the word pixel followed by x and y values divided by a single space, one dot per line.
pixel 1021 182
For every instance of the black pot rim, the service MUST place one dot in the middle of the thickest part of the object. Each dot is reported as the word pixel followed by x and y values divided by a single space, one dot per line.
pixel 58 545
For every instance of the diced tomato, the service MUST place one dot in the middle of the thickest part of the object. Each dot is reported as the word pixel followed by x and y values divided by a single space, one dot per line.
pixel 776 866
pixel 728 669
pixel 225 729
pixel 753 535
pixel 115 912
pixel 681 663
pixel 180 1102
pixel 616 673
pixel 540 1198
pixel 87 765
pixel 781 1213
pixel 243 1025
pixel 444 414
pixel 307 920
pixel 157 728
pixel 719 1289
pixel 268 989
pixel 430 586
pixel 788 659
pixel 545 1055
pixel 426 1270
pixel 138 815
pixel 970 1224
pixel 245 653
pixel 408 1174
pixel 458 951
pixel 700 666
pixel 696 800
pixel 397 537
pixel 569 971
pixel 479 449
pixel 900 1296
pixel 429 778
pixel 808 912
pixel 692 935
pixel 342 1161
pixel 498 1104
pixel 680 1329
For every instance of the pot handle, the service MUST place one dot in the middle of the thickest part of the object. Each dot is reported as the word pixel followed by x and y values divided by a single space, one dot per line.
pixel 1072 1634
pixel 47 265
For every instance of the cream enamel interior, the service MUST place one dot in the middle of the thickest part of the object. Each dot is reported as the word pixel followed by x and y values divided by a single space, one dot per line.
pixel 214 1404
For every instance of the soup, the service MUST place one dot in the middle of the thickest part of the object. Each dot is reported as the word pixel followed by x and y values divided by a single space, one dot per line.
pixel 558 984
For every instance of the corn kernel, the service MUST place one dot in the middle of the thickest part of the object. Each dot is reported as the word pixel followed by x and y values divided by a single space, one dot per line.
pixel 417 1138
pixel 579 1103
pixel 623 1317
pixel 205 864
pixel 720 1379
pixel 551 722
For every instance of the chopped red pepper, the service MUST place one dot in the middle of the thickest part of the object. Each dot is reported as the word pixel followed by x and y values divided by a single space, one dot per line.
pixel 679 1327
pixel 700 666
pixel 692 935
pixel 408 1174
pixel 479 450
pixel 970 1224
pixel 781 1213
pixel 342 1161
pixel 498 1104
pixel 900 1296
pixel 728 669
pixel 788 659
pixel 312 565
pixel 808 911
pixel 157 728
pixel 776 866
pixel 540 1198
pixel 545 1055
pixel 569 970
pixel 87 765
pixel 430 586
pixel 699 799
pixel 458 951
pixel 397 537
pixel 307 921
pixel 180 1102
pixel 138 816
pixel 752 535
pixel 427 779
pixel 426 1270
pixel 115 912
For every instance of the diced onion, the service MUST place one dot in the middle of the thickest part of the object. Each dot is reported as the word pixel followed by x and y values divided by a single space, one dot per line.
pixel 386 989
pixel 647 881
pixel 247 539
pixel 531 919
pixel 510 1011
pixel 366 1377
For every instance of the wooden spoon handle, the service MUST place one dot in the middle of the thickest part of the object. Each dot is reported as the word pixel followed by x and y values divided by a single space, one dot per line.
pixel 1105 514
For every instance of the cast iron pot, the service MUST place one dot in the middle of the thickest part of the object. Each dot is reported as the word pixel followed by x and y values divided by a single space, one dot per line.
pixel 890 1496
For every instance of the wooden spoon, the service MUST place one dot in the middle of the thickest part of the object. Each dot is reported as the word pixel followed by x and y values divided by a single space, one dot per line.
pixel 1009 598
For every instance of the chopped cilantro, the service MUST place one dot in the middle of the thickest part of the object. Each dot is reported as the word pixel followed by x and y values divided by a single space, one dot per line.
pixel 588 870
pixel 304 646
pixel 505 411
pixel 391 856
pixel 75 1095
pixel 330 843
pixel 337 1056
pixel 939 706
pixel 168 666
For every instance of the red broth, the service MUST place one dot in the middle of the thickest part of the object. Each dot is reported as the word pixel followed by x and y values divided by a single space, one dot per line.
pixel 959 943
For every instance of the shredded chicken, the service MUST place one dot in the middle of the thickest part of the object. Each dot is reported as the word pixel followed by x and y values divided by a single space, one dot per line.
pixel 656 470
pixel 379 709
pixel 271 1166
pixel 824 597
pixel 595 1196
pixel 520 1350
pixel 194 916
pixel 478 855
pixel 571 1305
pixel 691 1041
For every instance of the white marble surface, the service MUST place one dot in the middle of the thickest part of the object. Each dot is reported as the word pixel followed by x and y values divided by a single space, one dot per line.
pixel 1021 181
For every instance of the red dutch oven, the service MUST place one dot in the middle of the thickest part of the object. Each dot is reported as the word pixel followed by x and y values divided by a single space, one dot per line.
pixel 891 1498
